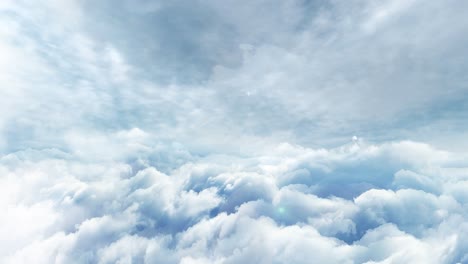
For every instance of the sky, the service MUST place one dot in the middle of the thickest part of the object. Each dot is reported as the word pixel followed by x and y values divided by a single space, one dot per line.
pixel 247 131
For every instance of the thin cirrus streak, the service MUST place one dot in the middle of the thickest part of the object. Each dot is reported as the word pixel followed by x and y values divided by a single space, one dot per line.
pixel 233 132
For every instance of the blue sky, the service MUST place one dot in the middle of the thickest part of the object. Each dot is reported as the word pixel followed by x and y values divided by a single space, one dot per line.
pixel 230 131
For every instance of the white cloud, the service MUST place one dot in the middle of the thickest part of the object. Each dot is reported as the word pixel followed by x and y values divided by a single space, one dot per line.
pixel 228 213
pixel 201 132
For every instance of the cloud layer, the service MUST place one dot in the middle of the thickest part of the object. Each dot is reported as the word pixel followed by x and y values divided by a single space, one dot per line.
pixel 294 204
pixel 233 132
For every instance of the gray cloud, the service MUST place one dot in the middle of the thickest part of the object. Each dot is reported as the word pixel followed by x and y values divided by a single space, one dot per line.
pixel 308 72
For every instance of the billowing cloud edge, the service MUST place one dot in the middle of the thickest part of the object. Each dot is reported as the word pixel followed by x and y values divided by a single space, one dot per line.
pixel 394 202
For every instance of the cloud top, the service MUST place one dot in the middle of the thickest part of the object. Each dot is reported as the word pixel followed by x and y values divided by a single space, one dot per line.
pixel 233 132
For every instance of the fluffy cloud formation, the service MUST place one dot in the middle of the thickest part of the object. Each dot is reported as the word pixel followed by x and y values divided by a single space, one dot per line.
pixel 223 132
pixel 279 207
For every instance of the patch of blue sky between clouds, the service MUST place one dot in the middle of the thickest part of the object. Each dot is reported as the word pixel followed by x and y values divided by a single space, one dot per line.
pixel 233 131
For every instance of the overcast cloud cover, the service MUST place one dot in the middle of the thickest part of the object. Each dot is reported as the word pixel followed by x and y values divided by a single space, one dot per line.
pixel 246 131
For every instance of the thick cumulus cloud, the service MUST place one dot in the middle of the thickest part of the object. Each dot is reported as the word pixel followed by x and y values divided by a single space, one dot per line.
pixel 223 131
pixel 281 207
